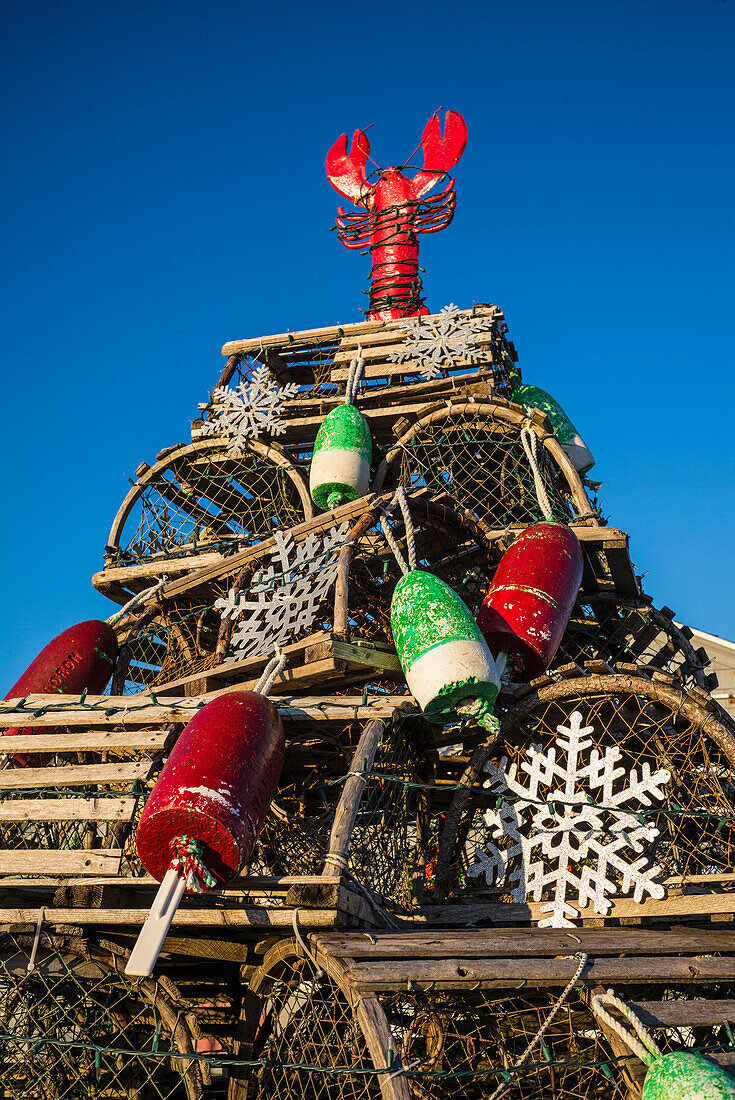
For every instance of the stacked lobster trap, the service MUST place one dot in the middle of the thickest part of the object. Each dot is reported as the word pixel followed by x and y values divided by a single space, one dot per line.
pixel 435 902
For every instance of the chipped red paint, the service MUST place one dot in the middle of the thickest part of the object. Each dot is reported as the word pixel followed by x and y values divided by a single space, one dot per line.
pixel 83 656
pixel 528 604
pixel 216 786
pixel 394 213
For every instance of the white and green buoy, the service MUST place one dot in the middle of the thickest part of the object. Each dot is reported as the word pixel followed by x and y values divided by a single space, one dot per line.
pixel 679 1075
pixel 447 663
pixel 343 451
pixel 448 666
pixel 569 438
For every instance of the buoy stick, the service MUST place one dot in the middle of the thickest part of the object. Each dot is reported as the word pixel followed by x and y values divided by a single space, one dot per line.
pixel 157 923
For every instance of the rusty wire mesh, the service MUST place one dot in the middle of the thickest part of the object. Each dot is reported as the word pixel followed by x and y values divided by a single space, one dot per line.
pixel 205 502
pixel 76 1027
pixel 452 1044
pixel 302 1018
pixel 612 628
pixel 448 544
pixel 481 464
pixel 460 1042
pixel 649 726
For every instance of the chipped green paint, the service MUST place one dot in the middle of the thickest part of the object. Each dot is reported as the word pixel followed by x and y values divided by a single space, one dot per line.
pixel 345 429
pixel 424 613
pixel 536 398
pixel 684 1076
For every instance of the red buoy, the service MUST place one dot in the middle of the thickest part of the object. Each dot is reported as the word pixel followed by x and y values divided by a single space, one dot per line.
pixel 83 656
pixel 216 786
pixel 530 600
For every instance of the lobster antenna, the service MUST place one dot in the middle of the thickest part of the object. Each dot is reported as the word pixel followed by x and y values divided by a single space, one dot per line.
pixel 408 162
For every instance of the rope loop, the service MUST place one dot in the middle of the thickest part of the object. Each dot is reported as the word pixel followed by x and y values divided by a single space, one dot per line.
pixel 529 439
pixel 354 376
pixel 136 601
pixel 646 1049
pixel 399 498
pixel 269 673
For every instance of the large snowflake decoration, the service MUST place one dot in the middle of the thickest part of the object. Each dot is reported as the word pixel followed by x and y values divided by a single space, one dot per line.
pixel 436 342
pixel 570 830
pixel 253 406
pixel 284 598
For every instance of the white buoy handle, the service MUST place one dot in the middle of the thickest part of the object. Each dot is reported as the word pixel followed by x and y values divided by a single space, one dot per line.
pixel 157 923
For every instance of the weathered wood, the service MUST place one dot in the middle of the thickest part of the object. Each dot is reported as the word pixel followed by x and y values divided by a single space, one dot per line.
pixel 241 917
pixel 139 710
pixel 68 809
pixel 379 1038
pixel 346 812
pixel 523 943
pixel 80 862
pixel 680 905
pixel 498 973
pixel 366 655
pixel 684 1013
pixel 83 741
pixel 73 775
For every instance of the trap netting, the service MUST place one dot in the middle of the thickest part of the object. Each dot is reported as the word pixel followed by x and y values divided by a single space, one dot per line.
pixel 479 462
pixel 204 498
pixel 75 1026
pixel 323 1040
pixel 448 543
pixel 173 642
pixel 611 628
pixel 599 786
pixel 384 843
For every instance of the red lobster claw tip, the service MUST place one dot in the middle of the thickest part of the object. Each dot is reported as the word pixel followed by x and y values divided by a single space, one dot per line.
pixel 440 154
pixel 346 173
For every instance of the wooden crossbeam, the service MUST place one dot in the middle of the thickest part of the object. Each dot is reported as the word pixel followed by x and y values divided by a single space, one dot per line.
pixel 503 973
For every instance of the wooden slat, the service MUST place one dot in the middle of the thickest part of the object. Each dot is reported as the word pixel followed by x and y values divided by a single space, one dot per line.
pixel 80 862
pixel 535 973
pixel 83 741
pixel 683 1013
pixel 68 809
pixel 123 710
pixel 524 943
pixel 75 775
pixel 241 917
pixel 331 334
pixel 681 905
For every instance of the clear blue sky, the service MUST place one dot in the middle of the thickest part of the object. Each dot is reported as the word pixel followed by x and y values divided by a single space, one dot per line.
pixel 163 191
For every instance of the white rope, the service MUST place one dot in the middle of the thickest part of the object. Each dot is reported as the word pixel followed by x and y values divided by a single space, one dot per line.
pixel 353 378
pixel 136 600
pixel 304 945
pixel 647 1050
pixel 547 1022
pixel 399 497
pixel 530 442
pixel 32 961
pixel 269 673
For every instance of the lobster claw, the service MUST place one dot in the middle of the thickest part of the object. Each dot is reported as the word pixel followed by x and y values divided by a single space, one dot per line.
pixel 346 173
pixel 440 154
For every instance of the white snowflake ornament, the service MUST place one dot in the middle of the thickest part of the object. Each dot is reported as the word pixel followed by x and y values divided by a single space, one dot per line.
pixel 572 829
pixel 436 342
pixel 252 407
pixel 284 598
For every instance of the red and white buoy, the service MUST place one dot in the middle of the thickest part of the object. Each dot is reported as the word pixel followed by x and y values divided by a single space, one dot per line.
pixel 81 657
pixel 201 821
pixel 530 600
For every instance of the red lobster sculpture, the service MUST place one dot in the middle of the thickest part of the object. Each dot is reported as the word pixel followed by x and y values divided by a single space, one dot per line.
pixel 395 214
